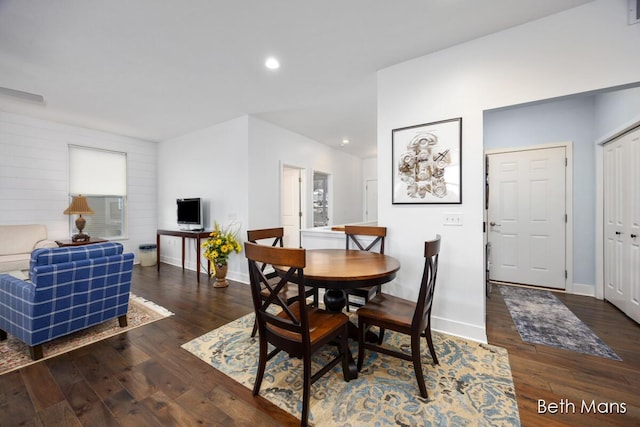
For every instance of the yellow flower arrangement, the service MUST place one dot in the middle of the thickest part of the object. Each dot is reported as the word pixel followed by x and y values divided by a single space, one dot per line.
pixel 219 245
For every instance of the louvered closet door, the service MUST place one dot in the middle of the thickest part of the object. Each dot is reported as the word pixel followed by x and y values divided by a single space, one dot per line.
pixel 622 223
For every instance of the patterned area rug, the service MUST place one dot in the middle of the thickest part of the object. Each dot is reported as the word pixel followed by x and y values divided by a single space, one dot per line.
pixel 541 318
pixel 472 385
pixel 14 354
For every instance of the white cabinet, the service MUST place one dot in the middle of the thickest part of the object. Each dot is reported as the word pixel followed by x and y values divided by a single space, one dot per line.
pixel 622 223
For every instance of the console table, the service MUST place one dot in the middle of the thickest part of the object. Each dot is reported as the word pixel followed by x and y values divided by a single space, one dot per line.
pixel 65 243
pixel 184 234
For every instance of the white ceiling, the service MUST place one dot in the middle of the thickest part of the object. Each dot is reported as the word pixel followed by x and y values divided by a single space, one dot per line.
pixel 156 69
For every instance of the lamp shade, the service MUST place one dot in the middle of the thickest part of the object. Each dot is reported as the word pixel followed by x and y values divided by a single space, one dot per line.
pixel 78 205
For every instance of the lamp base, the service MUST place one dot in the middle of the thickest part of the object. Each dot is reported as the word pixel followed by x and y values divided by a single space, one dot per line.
pixel 80 237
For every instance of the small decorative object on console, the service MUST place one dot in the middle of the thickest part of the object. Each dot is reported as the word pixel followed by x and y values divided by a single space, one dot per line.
pixel 217 248
pixel 79 206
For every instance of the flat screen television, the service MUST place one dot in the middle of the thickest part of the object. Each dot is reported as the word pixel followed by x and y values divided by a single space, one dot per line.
pixel 189 211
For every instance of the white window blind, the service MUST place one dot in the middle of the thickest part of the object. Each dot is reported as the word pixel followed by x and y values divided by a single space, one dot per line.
pixel 97 172
pixel 100 176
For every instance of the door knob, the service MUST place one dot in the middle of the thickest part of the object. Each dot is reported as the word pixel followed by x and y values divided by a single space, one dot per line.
pixel 493 224
pixel 633 236
pixel 618 233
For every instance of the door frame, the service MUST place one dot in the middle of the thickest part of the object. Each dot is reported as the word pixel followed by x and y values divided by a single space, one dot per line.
pixel 365 214
pixel 568 146
pixel 599 144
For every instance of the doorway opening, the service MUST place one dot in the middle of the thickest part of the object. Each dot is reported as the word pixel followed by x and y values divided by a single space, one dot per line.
pixel 292 206
pixel 371 201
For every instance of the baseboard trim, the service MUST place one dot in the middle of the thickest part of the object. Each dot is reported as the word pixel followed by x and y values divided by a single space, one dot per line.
pixel 582 289
pixel 459 329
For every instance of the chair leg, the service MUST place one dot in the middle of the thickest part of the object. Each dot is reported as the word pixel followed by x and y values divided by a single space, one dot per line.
pixel 432 350
pixel 262 362
pixel 344 350
pixel 361 334
pixel 255 328
pixel 381 336
pixel 306 390
pixel 122 320
pixel 3 335
pixel 36 352
pixel 417 364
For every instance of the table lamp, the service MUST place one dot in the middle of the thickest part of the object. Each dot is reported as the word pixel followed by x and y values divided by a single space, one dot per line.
pixel 79 206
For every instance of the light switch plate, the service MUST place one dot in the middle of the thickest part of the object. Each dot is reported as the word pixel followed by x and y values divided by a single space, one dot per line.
pixel 452 218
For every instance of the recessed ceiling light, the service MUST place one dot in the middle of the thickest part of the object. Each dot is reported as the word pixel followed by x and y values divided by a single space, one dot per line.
pixel 272 63
pixel 344 142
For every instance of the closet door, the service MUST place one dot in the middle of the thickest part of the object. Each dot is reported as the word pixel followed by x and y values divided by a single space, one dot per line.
pixel 622 223
pixel 633 305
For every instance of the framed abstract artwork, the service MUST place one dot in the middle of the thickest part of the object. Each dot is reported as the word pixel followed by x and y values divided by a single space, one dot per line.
pixel 427 163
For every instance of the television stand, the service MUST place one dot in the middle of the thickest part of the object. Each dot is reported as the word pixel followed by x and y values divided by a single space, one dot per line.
pixel 191 234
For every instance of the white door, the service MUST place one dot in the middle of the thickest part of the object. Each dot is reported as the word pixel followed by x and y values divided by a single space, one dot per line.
pixel 371 209
pixel 633 269
pixel 527 217
pixel 622 223
pixel 291 209
pixel 615 287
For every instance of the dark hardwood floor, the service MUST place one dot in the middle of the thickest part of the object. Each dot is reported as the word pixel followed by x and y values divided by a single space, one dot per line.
pixel 143 377
pixel 568 378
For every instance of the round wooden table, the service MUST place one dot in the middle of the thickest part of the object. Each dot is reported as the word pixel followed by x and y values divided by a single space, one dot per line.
pixel 338 269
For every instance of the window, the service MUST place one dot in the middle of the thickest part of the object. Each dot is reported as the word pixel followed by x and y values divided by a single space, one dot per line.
pixel 320 199
pixel 100 176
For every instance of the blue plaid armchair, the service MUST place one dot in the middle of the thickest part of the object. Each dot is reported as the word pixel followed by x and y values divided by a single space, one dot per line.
pixel 70 288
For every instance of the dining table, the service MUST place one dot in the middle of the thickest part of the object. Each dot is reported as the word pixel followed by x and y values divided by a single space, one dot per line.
pixel 338 270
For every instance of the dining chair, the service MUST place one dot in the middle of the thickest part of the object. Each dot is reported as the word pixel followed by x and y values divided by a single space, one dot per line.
pixel 354 235
pixel 298 329
pixel 403 316
pixel 290 293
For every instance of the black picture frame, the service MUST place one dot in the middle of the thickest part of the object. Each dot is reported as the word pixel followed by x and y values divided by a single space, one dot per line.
pixel 427 163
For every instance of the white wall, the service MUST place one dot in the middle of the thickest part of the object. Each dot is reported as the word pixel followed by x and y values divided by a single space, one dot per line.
pixel 235 168
pixel 548 58
pixel 210 163
pixel 34 170
pixel 271 147
pixel 370 168
pixel 616 110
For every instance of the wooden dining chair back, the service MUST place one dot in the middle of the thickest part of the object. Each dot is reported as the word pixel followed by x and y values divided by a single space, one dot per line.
pixel 404 316
pixel 298 328
pixel 355 239
pixel 275 237
pixel 277 234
